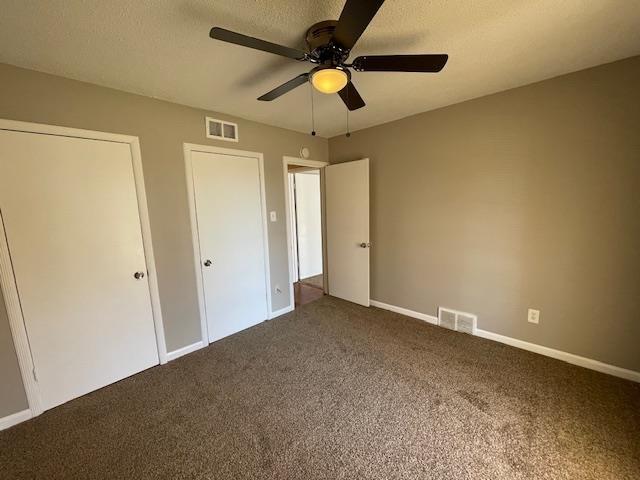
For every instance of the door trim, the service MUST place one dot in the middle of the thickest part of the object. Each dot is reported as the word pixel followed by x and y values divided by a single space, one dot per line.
pixel 188 149
pixel 286 161
pixel 7 279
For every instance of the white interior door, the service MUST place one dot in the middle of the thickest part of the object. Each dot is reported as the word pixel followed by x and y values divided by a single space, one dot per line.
pixel 347 217
pixel 71 217
pixel 228 202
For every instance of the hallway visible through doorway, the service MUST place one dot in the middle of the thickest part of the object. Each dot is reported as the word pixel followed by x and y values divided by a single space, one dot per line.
pixel 306 233
pixel 305 293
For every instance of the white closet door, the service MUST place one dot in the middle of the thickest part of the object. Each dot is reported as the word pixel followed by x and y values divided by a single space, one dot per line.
pixel 230 230
pixel 71 216
pixel 347 201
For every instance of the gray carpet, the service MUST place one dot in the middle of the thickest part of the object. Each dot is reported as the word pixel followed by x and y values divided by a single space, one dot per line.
pixel 338 391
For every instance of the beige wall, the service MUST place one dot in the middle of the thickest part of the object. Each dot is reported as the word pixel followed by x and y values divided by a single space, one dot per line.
pixel 162 128
pixel 526 198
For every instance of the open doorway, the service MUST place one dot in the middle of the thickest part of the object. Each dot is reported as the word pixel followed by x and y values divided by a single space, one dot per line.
pixel 306 233
pixel 305 229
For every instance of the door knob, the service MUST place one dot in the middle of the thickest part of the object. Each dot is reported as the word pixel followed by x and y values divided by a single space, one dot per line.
pixel 365 245
pixel 207 263
pixel 138 275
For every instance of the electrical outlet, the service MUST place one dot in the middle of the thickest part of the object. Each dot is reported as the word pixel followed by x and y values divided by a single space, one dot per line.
pixel 533 316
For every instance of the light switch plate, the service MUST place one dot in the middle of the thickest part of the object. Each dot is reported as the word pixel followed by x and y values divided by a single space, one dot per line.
pixel 273 216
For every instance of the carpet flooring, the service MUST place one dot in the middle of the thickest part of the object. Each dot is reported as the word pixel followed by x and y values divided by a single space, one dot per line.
pixel 337 391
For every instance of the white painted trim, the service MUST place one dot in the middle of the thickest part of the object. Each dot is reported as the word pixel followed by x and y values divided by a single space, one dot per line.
pixel 282 311
pixel 532 347
pixel 28 127
pixel 564 356
pixel 185 350
pixel 16 323
pixel 265 234
pixel 303 162
pixel 152 274
pixel 16 418
pixel 14 310
pixel 197 255
pixel 291 223
pixel 189 148
pixel 404 311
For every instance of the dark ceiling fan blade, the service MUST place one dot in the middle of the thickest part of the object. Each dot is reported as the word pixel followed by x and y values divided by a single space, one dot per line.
pixel 354 19
pixel 285 87
pixel 401 63
pixel 351 97
pixel 218 33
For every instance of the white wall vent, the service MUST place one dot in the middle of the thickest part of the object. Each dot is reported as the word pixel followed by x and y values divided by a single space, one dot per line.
pixel 446 319
pixel 457 320
pixel 221 130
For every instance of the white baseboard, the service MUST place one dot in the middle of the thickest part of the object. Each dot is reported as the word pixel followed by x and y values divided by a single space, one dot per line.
pixel 532 347
pixel 564 356
pixel 282 311
pixel 184 350
pixel 15 419
pixel 404 311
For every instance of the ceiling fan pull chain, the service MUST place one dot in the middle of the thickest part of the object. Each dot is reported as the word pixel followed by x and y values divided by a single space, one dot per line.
pixel 348 132
pixel 313 121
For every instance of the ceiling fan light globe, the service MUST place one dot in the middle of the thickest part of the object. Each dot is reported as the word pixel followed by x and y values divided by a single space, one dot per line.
pixel 329 80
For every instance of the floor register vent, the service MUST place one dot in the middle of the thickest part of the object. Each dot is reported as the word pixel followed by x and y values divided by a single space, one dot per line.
pixel 456 320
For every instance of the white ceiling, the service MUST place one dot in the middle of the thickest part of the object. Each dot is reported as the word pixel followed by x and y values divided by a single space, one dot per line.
pixel 161 49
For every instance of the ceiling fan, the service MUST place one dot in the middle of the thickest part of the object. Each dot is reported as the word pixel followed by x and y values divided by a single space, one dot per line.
pixel 329 44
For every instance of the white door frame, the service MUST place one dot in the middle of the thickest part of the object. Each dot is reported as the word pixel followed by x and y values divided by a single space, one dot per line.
pixel 302 162
pixel 189 148
pixel 7 279
pixel 291 222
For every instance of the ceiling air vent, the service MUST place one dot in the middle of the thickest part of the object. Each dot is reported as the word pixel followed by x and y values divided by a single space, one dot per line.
pixel 456 320
pixel 221 130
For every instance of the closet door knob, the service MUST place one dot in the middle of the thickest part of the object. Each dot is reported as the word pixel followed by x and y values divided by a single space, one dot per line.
pixel 365 245
pixel 138 275
pixel 208 263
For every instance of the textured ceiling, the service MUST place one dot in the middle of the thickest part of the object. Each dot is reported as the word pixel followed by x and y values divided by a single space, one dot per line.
pixel 161 49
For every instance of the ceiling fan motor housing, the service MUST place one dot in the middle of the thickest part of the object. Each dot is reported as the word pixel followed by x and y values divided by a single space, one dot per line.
pixel 321 49
pixel 320 34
